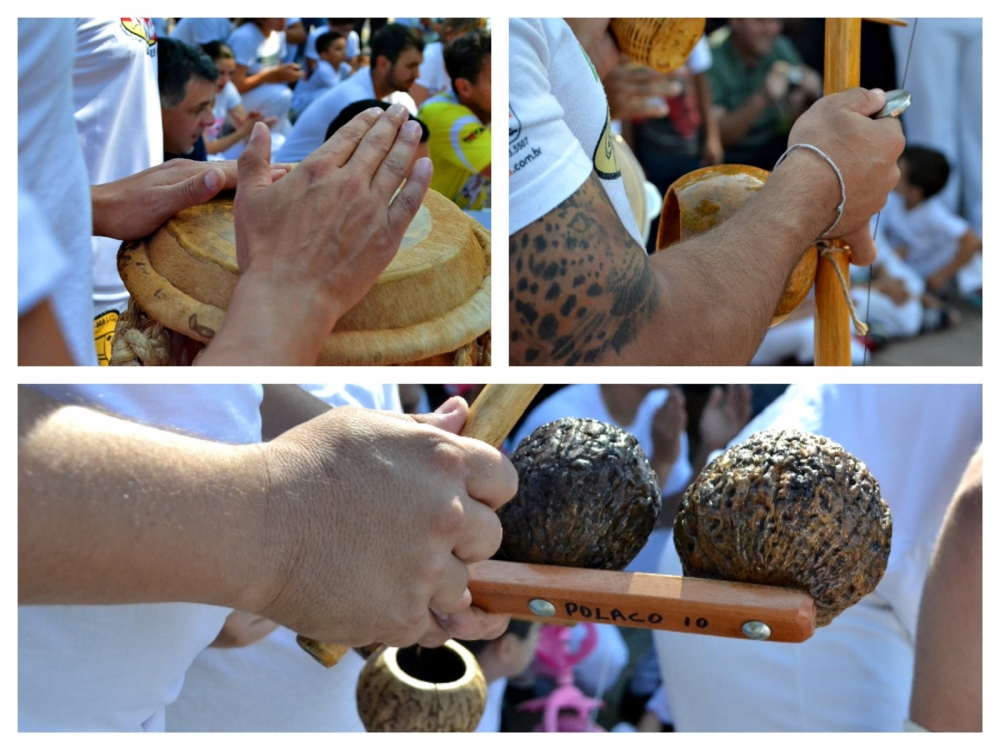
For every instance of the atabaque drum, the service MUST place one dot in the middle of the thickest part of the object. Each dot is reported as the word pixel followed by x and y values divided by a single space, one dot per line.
pixel 703 199
pixel 431 305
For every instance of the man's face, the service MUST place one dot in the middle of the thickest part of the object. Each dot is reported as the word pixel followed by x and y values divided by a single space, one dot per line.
pixel 404 73
pixel 184 123
pixel 755 36
pixel 478 96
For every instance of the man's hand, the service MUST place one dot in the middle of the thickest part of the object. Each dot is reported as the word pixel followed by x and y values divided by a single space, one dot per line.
pixel 726 413
pixel 864 150
pixel 373 518
pixel 284 73
pixel 669 424
pixel 776 83
pixel 131 208
pixel 638 92
pixel 311 246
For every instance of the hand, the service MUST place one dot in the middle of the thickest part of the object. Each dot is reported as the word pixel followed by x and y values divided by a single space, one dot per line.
pixel 373 518
pixel 310 247
pixel 594 35
pixel 776 83
pixel 131 208
pixel 285 73
pixel 668 426
pixel 939 279
pixel 246 127
pixel 864 150
pixel 637 92
pixel 726 413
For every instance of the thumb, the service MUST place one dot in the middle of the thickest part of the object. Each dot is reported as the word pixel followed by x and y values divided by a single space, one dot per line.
pixel 450 416
pixel 254 164
pixel 193 191
pixel 863 250
pixel 863 101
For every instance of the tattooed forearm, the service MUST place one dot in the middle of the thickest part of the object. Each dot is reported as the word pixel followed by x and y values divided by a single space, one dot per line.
pixel 580 286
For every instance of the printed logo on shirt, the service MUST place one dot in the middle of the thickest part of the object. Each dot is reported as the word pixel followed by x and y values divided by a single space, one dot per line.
pixel 104 331
pixel 141 28
pixel 513 125
pixel 605 161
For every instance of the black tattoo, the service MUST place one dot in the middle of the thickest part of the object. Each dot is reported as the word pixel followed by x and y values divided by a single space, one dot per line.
pixel 578 251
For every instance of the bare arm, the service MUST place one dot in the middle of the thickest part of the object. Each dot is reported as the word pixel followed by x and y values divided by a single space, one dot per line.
pixel 712 152
pixel 948 673
pixel 969 244
pixel 39 338
pixel 287 406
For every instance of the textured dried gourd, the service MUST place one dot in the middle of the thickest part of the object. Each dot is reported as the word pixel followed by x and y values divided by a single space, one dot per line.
pixel 788 508
pixel 586 497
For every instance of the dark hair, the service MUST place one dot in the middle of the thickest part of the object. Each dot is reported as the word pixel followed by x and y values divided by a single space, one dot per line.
pixel 517 628
pixel 394 39
pixel 465 57
pixel 218 50
pixel 324 41
pixel 351 111
pixel 177 63
pixel 340 21
pixel 926 169
pixel 463 25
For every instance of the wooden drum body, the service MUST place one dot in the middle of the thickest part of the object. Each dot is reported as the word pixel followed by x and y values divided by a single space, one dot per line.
pixel 703 199
pixel 430 306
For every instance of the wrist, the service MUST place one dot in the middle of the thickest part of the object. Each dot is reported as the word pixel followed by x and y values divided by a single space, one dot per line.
pixel 100 201
pixel 271 322
pixel 810 192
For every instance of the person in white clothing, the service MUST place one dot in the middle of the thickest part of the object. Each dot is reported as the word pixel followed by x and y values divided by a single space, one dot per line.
pixel 352 47
pixel 172 505
pixel 582 289
pixel 117 110
pixel 396 56
pixel 330 71
pixel 433 78
pixel 132 207
pixel 47 145
pixel 261 77
pixel 856 673
pixel 201 31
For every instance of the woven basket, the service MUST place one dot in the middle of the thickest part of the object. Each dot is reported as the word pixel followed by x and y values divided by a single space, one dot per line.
pixel 661 43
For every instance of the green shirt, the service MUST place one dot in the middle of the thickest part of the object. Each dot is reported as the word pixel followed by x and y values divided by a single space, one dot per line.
pixel 733 82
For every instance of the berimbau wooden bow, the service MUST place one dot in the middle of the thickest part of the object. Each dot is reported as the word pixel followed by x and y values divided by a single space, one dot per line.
pixel 841 71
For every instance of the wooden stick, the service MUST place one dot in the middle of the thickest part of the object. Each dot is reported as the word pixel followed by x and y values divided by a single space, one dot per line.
pixel 642 600
pixel 841 71
pixel 491 417
pixel 888 21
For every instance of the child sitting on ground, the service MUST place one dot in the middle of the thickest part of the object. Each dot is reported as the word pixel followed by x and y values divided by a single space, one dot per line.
pixel 228 135
pixel 330 70
pixel 934 242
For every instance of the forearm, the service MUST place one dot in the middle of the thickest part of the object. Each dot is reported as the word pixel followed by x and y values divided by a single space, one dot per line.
pixel 249 82
pixel 736 123
pixel 968 246
pixel 709 115
pixel 948 671
pixel 112 512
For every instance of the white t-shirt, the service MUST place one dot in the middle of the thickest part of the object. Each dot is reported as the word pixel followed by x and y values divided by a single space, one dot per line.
pixel 559 124
pixel 202 30
pixel 433 75
pixel 930 232
pixel 854 674
pixel 322 79
pixel 493 713
pixel 352 47
pixel 117 104
pixel 309 130
pixel 115 668
pixel 273 685
pixel 51 169
pixel 255 51
pixel 229 99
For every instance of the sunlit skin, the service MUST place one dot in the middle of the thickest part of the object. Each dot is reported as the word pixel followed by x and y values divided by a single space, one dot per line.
pixel 184 124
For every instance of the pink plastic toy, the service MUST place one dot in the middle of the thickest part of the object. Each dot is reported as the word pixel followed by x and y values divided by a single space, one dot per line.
pixel 566 709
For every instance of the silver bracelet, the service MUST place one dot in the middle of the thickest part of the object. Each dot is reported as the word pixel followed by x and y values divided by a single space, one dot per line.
pixel 840 177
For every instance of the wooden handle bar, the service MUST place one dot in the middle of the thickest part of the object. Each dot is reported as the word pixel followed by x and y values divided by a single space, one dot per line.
pixel 641 600
pixel 491 417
